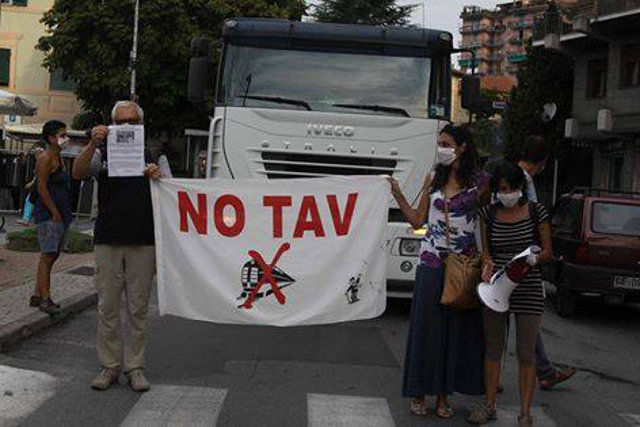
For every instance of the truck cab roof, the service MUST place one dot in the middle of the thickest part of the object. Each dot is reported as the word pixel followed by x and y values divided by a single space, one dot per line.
pixel 275 30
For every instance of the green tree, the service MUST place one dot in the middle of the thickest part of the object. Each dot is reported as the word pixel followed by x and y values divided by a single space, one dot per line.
pixel 483 130
pixel 547 76
pixel 366 12
pixel 90 40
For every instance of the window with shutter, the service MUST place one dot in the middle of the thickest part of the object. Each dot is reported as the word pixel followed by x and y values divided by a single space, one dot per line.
pixel 58 82
pixel 5 66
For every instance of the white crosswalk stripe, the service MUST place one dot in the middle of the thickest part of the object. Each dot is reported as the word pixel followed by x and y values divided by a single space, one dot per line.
pixel 22 392
pixel 170 405
pixel 631 419
pixel 351 411
pixel 508 416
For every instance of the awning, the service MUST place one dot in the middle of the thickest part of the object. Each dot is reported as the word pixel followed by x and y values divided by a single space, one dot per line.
pixel 15 105
pixel 34 131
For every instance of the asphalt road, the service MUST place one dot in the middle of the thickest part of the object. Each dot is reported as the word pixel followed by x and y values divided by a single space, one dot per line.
pixel 345 374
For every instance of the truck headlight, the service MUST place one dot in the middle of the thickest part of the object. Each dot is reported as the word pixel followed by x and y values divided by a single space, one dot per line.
pixel 409 247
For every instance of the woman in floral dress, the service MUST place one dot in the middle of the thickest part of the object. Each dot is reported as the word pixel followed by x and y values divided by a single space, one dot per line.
pixel 445 347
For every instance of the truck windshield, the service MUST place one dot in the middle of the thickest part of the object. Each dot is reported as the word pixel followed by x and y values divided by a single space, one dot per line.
pixel 616 218
pixel 332 82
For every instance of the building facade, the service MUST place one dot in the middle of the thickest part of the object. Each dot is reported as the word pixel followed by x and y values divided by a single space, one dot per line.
pixel 606 93
pixel 499 37
pixel 21 70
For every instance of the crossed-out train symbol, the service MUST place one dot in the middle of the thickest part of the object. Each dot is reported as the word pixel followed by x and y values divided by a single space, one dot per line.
pixel 256 272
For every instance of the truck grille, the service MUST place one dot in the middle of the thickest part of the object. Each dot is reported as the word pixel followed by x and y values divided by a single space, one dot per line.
pixel 289 164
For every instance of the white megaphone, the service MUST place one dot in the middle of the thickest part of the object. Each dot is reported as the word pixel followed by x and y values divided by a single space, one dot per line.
pixel 497 292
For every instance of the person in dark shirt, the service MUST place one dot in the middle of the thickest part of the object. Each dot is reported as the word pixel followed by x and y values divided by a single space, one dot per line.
pixel 533 162
pixel 52 211
pixel 124 252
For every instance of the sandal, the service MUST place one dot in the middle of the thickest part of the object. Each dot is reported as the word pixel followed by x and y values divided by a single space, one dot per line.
pixel 482 414
pixel 49 307
pixel 35 301
pixel 445 412
pixel 418 407
pixel 525 421
pixel 556 378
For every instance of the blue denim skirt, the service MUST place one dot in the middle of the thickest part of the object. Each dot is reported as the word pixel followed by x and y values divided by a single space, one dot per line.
pixel 445 348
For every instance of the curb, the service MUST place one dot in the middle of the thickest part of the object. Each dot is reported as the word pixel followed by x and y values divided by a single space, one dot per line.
pixel 35 322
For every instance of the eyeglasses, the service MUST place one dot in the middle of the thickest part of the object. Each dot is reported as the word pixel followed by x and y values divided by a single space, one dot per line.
pixel 128 122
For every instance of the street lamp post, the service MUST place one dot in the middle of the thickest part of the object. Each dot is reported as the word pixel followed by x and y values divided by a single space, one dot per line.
pixel 134 51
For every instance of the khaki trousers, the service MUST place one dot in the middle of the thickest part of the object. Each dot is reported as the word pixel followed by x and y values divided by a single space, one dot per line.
pixel 128 270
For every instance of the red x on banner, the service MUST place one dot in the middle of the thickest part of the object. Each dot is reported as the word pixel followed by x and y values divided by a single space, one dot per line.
pixel 267 270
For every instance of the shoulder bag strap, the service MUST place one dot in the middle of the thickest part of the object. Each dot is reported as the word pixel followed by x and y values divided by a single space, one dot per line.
pixel 533 214
pixel 446 220
pixel 491 217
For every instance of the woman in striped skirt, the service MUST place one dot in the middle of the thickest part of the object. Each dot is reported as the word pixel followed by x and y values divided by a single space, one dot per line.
pixel 508 228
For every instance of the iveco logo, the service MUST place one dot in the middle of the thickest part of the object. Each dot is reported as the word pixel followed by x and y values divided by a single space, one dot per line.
pixel 330 130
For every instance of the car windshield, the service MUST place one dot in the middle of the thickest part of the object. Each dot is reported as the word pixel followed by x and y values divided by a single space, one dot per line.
pixel 616 218
pixel 328 82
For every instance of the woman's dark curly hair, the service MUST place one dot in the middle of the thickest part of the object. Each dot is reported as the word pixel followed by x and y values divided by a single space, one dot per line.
pixel 513 175
pixel 468 170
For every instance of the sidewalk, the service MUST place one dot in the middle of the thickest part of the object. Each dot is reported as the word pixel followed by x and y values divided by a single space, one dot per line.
pixel 72 287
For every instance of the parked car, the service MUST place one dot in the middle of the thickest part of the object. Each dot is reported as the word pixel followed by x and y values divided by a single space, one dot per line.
pixel 596 243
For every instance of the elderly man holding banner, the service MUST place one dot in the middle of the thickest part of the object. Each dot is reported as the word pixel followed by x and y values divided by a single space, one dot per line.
pixel 124 240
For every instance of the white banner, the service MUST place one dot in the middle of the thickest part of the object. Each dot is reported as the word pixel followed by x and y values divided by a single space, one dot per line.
pixel 295 252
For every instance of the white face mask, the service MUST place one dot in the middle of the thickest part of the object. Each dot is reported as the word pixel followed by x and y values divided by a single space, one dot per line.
pixel 62 141
pixel 509 200
pixel 445 156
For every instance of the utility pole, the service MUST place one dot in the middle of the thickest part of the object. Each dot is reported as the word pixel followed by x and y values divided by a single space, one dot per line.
pixel 134 51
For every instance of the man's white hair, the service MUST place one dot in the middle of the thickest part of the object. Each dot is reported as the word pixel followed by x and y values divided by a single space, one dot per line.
pixel 127 104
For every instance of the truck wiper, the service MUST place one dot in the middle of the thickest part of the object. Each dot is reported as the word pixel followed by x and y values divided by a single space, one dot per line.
pixel 381 108
pixel 278 99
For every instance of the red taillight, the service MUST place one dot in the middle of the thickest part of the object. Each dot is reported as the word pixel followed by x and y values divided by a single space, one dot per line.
pixel 582 253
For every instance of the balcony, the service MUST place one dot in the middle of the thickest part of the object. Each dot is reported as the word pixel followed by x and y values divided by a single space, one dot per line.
pixel 615 6
pixel 474 12
pixel 472 45
pixel 497 29
pixel 521 25
pixel 553 24
pixel 495 43
pixel 479 28
pixel 467 63
pixel 517 58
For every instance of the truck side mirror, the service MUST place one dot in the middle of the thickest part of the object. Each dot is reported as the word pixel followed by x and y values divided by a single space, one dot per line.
pixel 470 92
pixel 198 72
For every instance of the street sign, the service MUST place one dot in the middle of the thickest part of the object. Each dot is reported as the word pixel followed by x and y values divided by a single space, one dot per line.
pixel 499 105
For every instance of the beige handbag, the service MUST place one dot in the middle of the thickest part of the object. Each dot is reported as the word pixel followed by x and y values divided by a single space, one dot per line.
pixel 462 275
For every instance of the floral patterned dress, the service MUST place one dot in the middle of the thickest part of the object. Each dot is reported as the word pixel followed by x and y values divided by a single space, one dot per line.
pixel 463 217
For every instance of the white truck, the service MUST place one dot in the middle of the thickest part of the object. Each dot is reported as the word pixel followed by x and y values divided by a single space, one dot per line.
pixel 300 99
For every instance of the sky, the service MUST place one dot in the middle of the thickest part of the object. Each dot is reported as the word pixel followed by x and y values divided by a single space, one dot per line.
pixel 445 14
pixel 442 14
